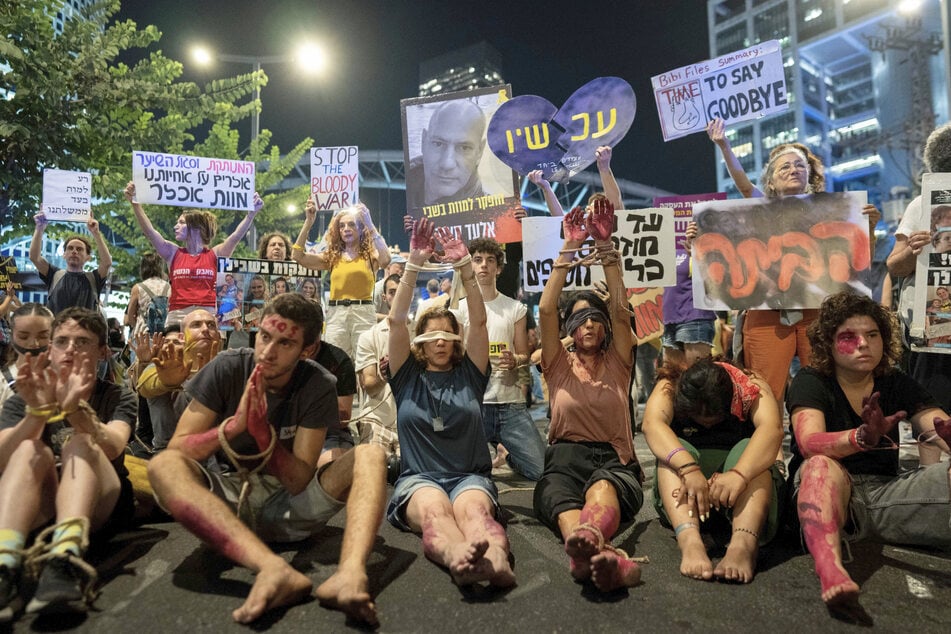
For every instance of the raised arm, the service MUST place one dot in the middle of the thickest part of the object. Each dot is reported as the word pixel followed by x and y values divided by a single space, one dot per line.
pixel 601 226
pixel 382 253
pixel 554 207
pixel 608 182
pixel 716 130
pixel 105 257
pixel 477 335
pixel 575 235
pixel 310 260
pixel 226 248
pixel 36 245
pixel 421 248
pixel 162 246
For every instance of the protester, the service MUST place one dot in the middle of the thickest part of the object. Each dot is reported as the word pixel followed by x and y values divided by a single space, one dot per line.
pixel 275 245
pixel 611 189
pixel 445 491
pixel 592 480
pixel 148 301
pixel 396 267
pixel 62 413
pixel 193 268
pixel 844 409
pixel 271 406
pixel 72 286
pixel 30 331
pixel 355 252
pixel 716 434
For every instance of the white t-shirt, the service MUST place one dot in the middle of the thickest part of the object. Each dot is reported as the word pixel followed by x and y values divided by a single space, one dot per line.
pixel 911 221
pixel 371 347
pixel 502 313
pixel 5 390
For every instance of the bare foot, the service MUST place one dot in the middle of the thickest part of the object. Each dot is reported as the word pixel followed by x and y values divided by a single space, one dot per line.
pixel 610 571
pixel 581 546
pixel 275 585
pixel 837 586
pixel 468 565
pixel 739 563
pixel 501 453
pixel 500 572
pixel 348 592
pixel 694 562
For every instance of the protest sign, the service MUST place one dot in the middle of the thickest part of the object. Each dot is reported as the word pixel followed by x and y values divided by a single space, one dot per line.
pixel 931 315
pixel 647 304
pixel 529 133
pixel 192 181
pixel 246 285
pixel 450 179
pixel 8 274
pixel 334 177
pixel 67 196
pixel 788 252
pixel 736 87
pixel 644 238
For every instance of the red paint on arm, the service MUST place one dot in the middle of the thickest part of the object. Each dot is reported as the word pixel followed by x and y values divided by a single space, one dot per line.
pixel 822 443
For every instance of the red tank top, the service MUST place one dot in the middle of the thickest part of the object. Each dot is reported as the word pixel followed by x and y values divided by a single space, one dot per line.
pixel 193 279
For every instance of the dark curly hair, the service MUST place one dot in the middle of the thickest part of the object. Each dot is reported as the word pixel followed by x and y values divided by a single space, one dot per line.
pixel 835 310
pixel 703 389
pixel 937 152
pixel 488 246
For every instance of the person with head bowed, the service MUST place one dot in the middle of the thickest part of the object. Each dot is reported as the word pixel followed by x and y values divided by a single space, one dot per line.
pixel 193 268
pixel 844 410
pixel 445 490
pixel 591 480
pixel 354 252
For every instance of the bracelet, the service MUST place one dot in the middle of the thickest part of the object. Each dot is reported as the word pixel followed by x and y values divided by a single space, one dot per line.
pixel 296 247
pixel 43 411
pixel 853 440
pixel 746 481
pixel 693 468
pixel 860 441
pixel 692 463
pixel 672 454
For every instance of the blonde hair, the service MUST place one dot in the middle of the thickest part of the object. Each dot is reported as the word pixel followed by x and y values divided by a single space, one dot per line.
pixel 815 179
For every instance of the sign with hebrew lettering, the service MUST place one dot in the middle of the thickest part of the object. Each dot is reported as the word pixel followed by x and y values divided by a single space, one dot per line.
pixel 450 178
pixel 67 196
pixel 246 285
pixel 647 304
pixel 530 133
pixel 192 181
pixel 739 86
pixel 8 274
pixel 931 315
pixel 644 239
pixel 788 252
pixel 334 177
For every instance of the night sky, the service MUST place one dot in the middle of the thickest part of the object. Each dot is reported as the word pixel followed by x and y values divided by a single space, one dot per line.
pixel 548 49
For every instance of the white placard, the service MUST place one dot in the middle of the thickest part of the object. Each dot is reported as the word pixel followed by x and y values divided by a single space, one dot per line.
pixel 335 177
pixel 67 196
pixel 192 181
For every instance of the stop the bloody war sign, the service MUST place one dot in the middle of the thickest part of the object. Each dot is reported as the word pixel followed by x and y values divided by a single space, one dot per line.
pixel 740 86
pixel 192 181
pixel 334 177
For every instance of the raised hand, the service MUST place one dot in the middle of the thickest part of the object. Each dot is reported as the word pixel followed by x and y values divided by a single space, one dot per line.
pixel 36 381
pixel 41 221
pixel 421 240
pixel 573 226
pixel 874 422
pixel 147 346
pixel 601 220
pixel 75 382
pixel 255 401
pixel 93 225
pixel 537 177
pixel 454 249
pixel 129 192
pixel 603 156
pixel 408 222
pixel 170 364
pixel 310 210
pixel 258 205
pixel 716 130
pixel 519 212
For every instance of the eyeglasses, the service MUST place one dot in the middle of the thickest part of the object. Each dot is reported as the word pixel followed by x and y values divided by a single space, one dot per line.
pixel 62 343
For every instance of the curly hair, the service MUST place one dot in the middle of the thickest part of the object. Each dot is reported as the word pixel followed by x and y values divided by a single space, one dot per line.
pixel 488 246
pixel 937 152
pixel 835 310
pixel 437 313
pixel 816 178
pixel 335 245
pixel 266 239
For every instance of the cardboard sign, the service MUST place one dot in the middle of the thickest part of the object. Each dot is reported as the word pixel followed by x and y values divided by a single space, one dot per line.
pixel 67 196
pixel 644 238
pixel 931 315
pixel 788 252
pixel 334 177
pixel 246 285
pixel 647 304
pixel 192 181
pixel 450 177
pixel 8 274
pixel 740 86
pixel 529 133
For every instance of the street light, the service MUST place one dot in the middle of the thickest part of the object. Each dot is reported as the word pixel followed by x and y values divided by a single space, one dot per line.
pixel 309 57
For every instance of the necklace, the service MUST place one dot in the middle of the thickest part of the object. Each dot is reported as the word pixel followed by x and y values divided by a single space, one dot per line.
pixel 435 405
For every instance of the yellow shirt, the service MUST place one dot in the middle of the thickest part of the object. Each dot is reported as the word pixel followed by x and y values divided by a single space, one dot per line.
pixel 351 280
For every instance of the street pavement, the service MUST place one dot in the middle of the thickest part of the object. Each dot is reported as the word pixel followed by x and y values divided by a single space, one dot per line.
pixel 161 579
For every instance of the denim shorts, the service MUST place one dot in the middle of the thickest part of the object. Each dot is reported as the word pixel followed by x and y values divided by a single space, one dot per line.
pixel 452 484
pixel 696 331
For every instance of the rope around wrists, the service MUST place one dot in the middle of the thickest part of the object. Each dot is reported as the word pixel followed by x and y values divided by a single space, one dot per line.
pixel 603 254
pixel 243 472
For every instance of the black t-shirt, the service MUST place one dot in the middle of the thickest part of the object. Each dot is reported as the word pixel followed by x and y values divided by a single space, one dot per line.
pixel 338 363
pixel 898 392
pixel 74 289
pixel 723 435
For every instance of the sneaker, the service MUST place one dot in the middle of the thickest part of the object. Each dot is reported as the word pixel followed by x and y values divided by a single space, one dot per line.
pixel 10 599
pixel 61 588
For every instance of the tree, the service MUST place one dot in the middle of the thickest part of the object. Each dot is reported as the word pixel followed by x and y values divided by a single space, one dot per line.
pixel 76 105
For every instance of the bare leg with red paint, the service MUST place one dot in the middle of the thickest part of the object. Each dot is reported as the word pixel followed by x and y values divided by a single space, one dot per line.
pixel 183 493
pixel 824 493
pixel 474 512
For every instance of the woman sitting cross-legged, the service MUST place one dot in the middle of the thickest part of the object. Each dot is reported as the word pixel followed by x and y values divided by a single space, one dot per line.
pixel 445 491
pixel 716 434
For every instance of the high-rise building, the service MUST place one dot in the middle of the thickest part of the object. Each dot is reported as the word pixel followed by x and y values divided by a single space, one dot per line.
pixel 475 66
pixel 865 80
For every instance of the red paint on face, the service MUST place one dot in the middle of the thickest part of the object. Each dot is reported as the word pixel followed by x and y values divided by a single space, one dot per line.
pixel 846 342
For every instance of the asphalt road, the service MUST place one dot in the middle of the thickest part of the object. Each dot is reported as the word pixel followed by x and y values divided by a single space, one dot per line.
pixel 161 579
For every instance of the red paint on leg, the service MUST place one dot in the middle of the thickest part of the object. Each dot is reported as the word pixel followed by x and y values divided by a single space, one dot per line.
pixel 197 522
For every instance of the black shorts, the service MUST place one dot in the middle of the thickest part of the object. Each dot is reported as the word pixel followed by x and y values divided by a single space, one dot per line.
pixel 570 470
